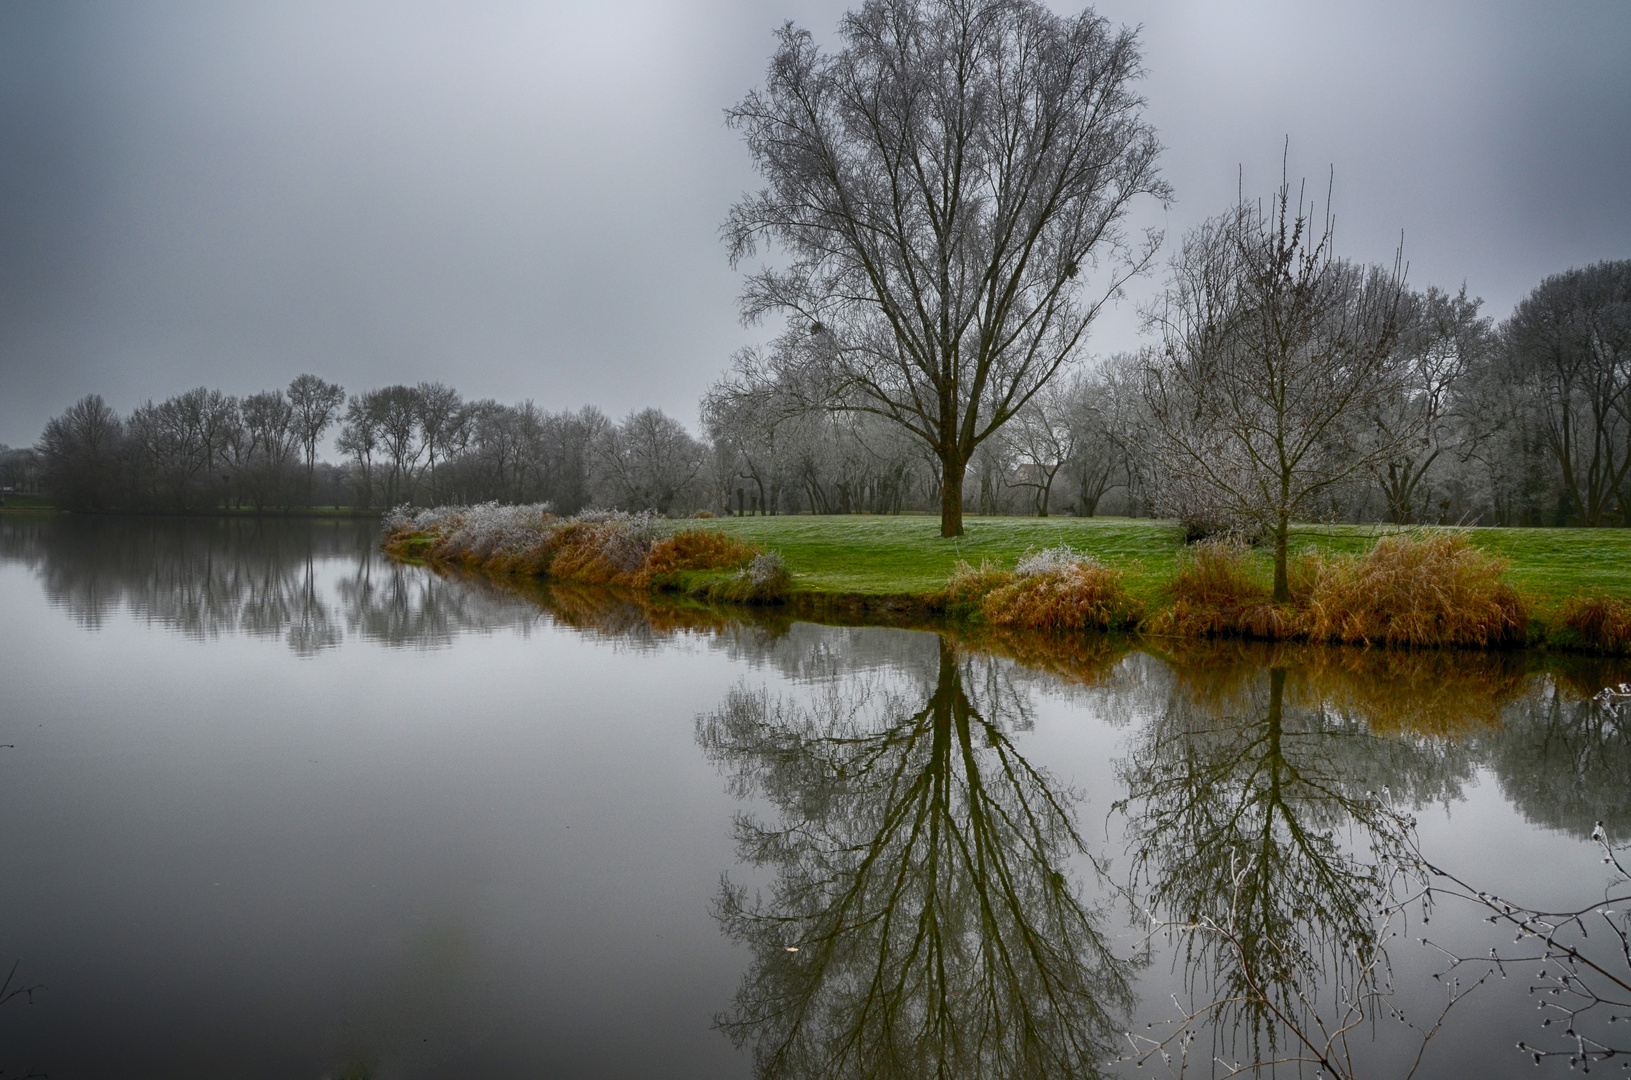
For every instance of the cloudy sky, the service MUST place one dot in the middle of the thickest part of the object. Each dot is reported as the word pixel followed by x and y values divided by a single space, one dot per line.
pixel 523 200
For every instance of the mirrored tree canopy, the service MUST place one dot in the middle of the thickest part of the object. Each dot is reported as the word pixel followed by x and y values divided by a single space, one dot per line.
pixel 924 916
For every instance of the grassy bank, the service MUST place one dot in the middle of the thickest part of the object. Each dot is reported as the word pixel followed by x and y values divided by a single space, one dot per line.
pixel 906 554
pixel 27 504
pixel 1504 586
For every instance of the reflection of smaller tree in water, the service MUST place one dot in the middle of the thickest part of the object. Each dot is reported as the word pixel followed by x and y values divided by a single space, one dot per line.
pixel 1561 753
pixel 1237 805
pixel 11 990
pixel 922 921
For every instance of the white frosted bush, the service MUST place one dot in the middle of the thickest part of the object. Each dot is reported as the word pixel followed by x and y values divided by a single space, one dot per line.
pixel 405 518
pixel 487 529
pixel 642 524
pixel 1052 561
pixel 766 569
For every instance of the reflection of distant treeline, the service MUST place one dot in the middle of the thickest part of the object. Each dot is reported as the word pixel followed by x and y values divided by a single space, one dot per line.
pixel 311 583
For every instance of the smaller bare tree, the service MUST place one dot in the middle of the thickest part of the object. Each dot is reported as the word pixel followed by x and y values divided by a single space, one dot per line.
pixel 1041 438
pixel 1272 352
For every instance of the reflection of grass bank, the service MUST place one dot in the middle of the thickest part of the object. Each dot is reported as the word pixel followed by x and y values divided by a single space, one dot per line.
pixel 890 568
pixel 1409 693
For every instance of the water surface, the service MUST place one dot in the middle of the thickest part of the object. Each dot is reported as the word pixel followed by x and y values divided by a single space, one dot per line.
pixel 278 807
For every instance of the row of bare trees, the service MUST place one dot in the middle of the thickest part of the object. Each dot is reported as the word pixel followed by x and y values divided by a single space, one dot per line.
pixel 426 444
pixel 198 450
pixel 204 450
pixel 1283 383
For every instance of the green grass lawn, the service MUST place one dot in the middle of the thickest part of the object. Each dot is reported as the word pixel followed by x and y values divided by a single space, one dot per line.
pixel 28 504
pixel 905 554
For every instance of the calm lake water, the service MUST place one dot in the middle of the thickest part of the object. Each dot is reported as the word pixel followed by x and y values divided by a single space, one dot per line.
pixel 276 807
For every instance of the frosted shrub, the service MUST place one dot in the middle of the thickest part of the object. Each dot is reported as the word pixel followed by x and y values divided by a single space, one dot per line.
pixel 642 524
pixel 762 581
pixel 767 569
pixel 405 519
pixel 488 529
pixel 1052 561
pixel 1052 589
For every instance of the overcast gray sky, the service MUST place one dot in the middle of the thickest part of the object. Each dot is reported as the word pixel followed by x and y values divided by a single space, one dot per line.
pixel 523 199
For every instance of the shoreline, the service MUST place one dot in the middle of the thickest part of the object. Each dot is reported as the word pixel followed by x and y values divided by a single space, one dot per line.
pixel 932 612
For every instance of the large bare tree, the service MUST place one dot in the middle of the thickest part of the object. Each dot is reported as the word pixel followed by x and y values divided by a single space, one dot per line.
pixel 938 186
pixel 1275 358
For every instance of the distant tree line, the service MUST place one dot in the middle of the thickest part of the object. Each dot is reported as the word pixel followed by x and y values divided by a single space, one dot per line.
pixel 204 450
pixel 19 470
pixel 1282 383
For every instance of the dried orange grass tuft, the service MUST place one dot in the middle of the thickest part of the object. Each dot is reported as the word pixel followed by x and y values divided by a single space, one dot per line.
pixel 695 549
pixel 1080 594
pixel 969 585
pixel 1436 589
pixel 595 553
pixel 1429 590
pixel 1599 621
pixel 1216 593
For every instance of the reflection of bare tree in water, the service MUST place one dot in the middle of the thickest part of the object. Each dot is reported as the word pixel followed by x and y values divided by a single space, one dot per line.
pixel 1562 758
pixel 1266 836
pixel 922 921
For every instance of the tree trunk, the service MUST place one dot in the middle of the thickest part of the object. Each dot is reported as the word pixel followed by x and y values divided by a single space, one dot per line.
pixel 951 495
pixel 1282 587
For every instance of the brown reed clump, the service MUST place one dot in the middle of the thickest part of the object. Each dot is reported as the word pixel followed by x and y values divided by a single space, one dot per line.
pixel 1217 594
pixel 596 553
pixel 1436 589
pixel 1059 590
pixel 1411 591
pixel 1596 621
pixel 695 549
pixel 968 585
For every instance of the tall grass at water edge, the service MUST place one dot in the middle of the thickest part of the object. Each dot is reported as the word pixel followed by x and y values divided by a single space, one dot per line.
pixel 1596 621
pixel 1053 589
pixel 1430 589
pixel 601 547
